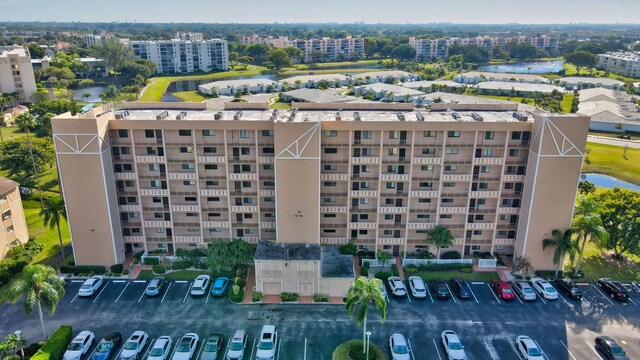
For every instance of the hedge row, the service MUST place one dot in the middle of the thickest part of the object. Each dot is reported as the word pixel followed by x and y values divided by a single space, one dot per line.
pixel 289 296
pixel 117 268
pixel 56 344
pixel 82 269
pixel 435 267
pixel 151 261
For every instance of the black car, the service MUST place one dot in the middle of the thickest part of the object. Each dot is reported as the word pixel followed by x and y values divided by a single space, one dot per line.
pixel 569 288
pixel 460 288
pixel 610 348
pixel 439 288
pixel 613 288
pixel 107 347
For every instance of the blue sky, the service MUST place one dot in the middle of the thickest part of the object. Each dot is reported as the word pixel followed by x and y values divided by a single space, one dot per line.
pixel 286 11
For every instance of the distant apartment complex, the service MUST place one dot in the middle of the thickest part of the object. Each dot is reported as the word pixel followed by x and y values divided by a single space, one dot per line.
pixel 100 39
pixel 192 36
pixel 16 72
pixel 313 50
pixel 429 49
pixel 167 176
pixel 13 227
pixel 621 63
pixel 184 56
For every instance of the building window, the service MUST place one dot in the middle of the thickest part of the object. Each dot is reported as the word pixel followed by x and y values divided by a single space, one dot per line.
pixel 329 231
pixel 269 199
pixel 364 185
pixel 208 133
pixel 190 198
pixel 329 200
pixel 426 168
pixel 516 135
pixel 389 201
pixel 160 230
pixel 156 199
pixel 267 167
pixel 330 183
pixel 155 183
pixel 188 166
pixel 423 216
pixel 192 214
pixel 330 133
pixel 184 132
pixel 426 184
pixel 330 150
pixel 448 184
pixel 330 167
pixel 153 167
pixel 209 150
pixel 269 183
pixel 424 200
pixel 504 217
pixel 445 216
pixel 477 232
pixel 123 133
pixel 213 199
pixel 513 152
pixel 428 151
pixel 391 185
pixel 247 200
pixel 267 150
pixel 485 168
pixel 452 151
pixel 393 151
pixel 267 133
pixel 430 133
pixel 487 152
pixel 244 134
pixel 387 232
pixel 211 166
pixel 149 133
pixel 489 135
pixel 329 215
pixel 366 134
pixel 364 201
pixel 453 134
pixel 447 201
pixel 246 168
pixel 450 168
pixel 388 216
pixel 189 182
pixel 393 134
pixel 186 149
pixel 363 232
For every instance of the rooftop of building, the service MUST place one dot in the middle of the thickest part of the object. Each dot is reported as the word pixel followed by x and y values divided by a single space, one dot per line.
pixel 318 96
pixel 13 50
pixel 175 41
pixel 384 74
pixel 336 265
pixel 452 98
pixel 590 80
pixel 427 84
pixel 623 111
pixel 517 86
pixel 240 82
pixel 318 77
pixel 504 76
pixel 586 94
pixel 395 90
pixel 630 55
pixel 267 250
pixel 7 185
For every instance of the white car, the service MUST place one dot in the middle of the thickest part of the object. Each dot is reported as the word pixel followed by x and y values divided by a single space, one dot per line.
pixel 79 346
pixel 384 290
pixel 132 349
pixel 91 285
pixel 397 286
pixel 543 288
pixel 267 343
pixel 528 348
pixel 200 285
pixel 186 347
pixel 524 290
pixel 399 347
pixel 418 289
pixel 237 345
pixel 160 349
pixel 452 345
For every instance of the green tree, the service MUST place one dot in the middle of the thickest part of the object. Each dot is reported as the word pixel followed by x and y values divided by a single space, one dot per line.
pixel 110 94
pixel 564 245
pixel 441 237
pixel 142 67
pixel 56 76
pixel 470 53
pixel 586 187
pixel 404 52
pixel 384 256
pixel 40 287
pixel 294 52
pixel 36 51
pixel 227 255
pixel 363 293
pixel 14 152
pixel 587 225
pixel 52 212
pixel 620 214
pixel 114 54
pixel 26 121
pixel 581 59
pixel 234 57
pixel 370 46
pixel 257 51
pixel 279 58
pixel 72 62
pixel 15 341
pixel 245 61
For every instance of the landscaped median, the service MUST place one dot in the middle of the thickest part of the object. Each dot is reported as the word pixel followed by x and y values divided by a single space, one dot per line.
pixel 352 350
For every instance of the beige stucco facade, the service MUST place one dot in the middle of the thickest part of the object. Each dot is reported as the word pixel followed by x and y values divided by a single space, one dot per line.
pixel 16 73
pixel 13 227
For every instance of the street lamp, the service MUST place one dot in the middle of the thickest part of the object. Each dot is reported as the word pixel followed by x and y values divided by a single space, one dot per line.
pixel 368 333
pixel 18 334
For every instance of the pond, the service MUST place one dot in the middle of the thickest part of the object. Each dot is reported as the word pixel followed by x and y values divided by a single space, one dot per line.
pixel 192 85
pixel 93 91
pixel 539 67
pixel 608 182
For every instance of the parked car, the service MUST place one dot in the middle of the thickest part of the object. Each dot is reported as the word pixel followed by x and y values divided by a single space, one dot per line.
pixel 614 289
pixel 502 289
pixel 418 289
pixel 79 346
pixel 399 347
pixel 439 288
pixel 460 288
pixel 220 286
pixel 132 349
pixel 397 286
pixel 91 285
pixel 610 348
pixel 528 348
pixel 452 345
pixel 569 288
pixel 200 285
pixel 237 345
pixel 186 347
pixel 155 286
pixel 266 349
pixel 160 349
pixel 212 347
pixel 384 290
pixel 524 290
pixel 107 347
pixel 543 288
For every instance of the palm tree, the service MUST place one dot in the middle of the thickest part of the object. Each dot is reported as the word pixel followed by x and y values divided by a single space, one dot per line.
pixel 441 237
pixel 15 341
pixel 52 212
pixel 26 121
pixel 363 293
pixel 564 246
pixel 40 286
pixel 586 187
pixel 587 224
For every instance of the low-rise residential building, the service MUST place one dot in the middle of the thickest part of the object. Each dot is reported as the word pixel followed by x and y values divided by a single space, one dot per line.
pixel 13 226
pixel 315 81
pixel 621 63
pixel 315 50
pixel 184 56
pixel 451 98
pixel 10 114
pixel 476 77
pixel 602 94
pixel 95 67
pixel 16 72
pixel 434 86
pixel 503 88
pixel 583 82
pixel 386 76
pixel 243 86
pixel 315 96
pixel 389 92
pixel 611 116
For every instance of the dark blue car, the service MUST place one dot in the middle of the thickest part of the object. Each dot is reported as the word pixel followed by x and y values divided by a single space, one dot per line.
pixel 107 347
pixel 220 286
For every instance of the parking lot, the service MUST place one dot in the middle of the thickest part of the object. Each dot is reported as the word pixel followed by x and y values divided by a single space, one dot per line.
pixel 487 325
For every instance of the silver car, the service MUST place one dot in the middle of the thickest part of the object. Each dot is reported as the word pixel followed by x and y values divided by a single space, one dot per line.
pixel 200 285
pixel 524 290
pixel 237 345
pixel 155 286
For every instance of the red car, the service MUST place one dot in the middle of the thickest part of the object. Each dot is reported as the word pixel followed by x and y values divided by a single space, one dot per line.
pixel 502 289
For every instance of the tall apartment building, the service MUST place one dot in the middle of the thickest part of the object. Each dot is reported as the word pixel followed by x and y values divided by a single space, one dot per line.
pixel 167 176
pixel 13 227
pixel 427 49
pixel 101 39
pixel 621 63
pixel 184 56
pixel 324 49
pixel 16 72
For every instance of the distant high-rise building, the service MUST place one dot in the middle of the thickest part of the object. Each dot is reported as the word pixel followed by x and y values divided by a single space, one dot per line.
pixel 16 72
pixel 315 50
pixel 621 63
pixel 184 56
pixel 13 227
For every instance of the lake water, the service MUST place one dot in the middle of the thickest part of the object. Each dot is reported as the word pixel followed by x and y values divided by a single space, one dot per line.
pixel 539 67
pixel 93 91
pixel 608 182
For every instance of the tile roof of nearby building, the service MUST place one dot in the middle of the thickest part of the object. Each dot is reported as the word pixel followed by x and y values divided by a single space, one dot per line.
pixel 614 95
pixel 315 78
pixel 591 80
pixel 384 74
pixel 267 250
pixel 427 84
pixel 396 90
pixel 336 265
pixel 7 185
pixel 503 76
pixel 318 96
pixel 516 86
pixel 463 99
pixel 592 108
pixel 238 83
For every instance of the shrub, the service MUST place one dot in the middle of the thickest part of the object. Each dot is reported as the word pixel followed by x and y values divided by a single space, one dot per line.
pixel 158 252
pixel 364 271
pixel 151 261
pixel 320 298
pixel 289 297
pixel 116 274
pixel 238 281
pixel 17 258
pixel 466 270
pixel 256 296
pixel 116 268
pixel 135 261
pixel 350 249
pixel 138 255
pixel 441 267
pixel 30 350
pixel 180 265
pixel 383 275
pixel 12 357
pixel 451 255
pixel 549 274
pixel 518 276
pixel 56 344
pixel 394 270
pixel 83 269
pixel 125 272
pixel 366 254
pixel 235 289
pixel 355 353
pixel 159 269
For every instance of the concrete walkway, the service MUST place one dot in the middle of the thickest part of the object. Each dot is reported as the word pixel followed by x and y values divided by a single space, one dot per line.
pixel 614 141
pixel 248 288
pixel 399 265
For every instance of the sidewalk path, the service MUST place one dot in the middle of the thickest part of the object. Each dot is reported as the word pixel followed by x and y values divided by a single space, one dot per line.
pixel 613 141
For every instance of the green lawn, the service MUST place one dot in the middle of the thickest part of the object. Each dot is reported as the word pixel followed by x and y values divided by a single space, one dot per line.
pixel 596 264
pixel 293 72
pixel 609 160
pixel 565 104
pixel 9 133
pixel 570 70
pixel 339 64
pixel 446 275
pixel 192 96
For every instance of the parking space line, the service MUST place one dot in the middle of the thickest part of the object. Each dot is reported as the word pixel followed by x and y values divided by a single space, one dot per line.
pixel 119 281
pixel 451 293
pixel 633 302
pixel 143 292
pixel 149 345
pixel 493 293
pixel 119 352
pixel 174 350
pixel 594 350
pixel 437 351
pixel 409 297
pixel 122 292
pixel 429 292
pixel 570 354
pixel 253 347
pixel 187 294
pixel 165 293
pixel 226 350
pixel 74 298
pixel 139 281
pixel 474 295
pixel 411 349
pixel 542 351
pixel 513 346
pixel 181 281
pixel 603 295
pixel 208 294
pixel 77 281
pixel 515 293
pixel 94 350
pixel 488 349
pixel 278 354
pixel 105 286
pixel 201 348
pixel 562 297
pixel 305 349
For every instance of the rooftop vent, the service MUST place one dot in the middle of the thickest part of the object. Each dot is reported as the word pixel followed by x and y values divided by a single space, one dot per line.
pixel 476 116
pixel 455 115
pixel 237 115
pixel 419 116
pixel 400 116
pixel 217 116
pixel 182 115
pixel 520 116
pixel 122 115
pixel 163 115
pixel 292 115
pixel 338 117
pixel 356 116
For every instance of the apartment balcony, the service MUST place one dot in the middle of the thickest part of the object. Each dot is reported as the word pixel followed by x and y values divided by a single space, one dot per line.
pixel 488 161
pixel 335 177
pixel 245 209
pixel 150 159
pixel 460 143
pixel 182 176
pixel 129 208
pixel 185 208
pixel 125 175
pixel 154 192
pixel 394 177
pixel 333 193
pixel 480 226
pixel 485 194
pixel 365 160
pixel 504 241
pixel 333 240
pixel 268 224
pixel 212 159
pixel 390 241
pixel 392 210
pixel 453 210
pixel 157 224
pixel 213 192
pixel 181 157
pixel 458 241
pixel 215 224
pixel 243 176
pixel 509 210
pixel 188 239
pixel 421 225
pixel 186 223
pixel 267 193
pixel 456 177
pixel 513 178
pixel 251 239
pixel 333 209
pixel 266 159
pixel 133 239
pixel 423 194
pixel 366 176
pixel 362 225
pixel 363 193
